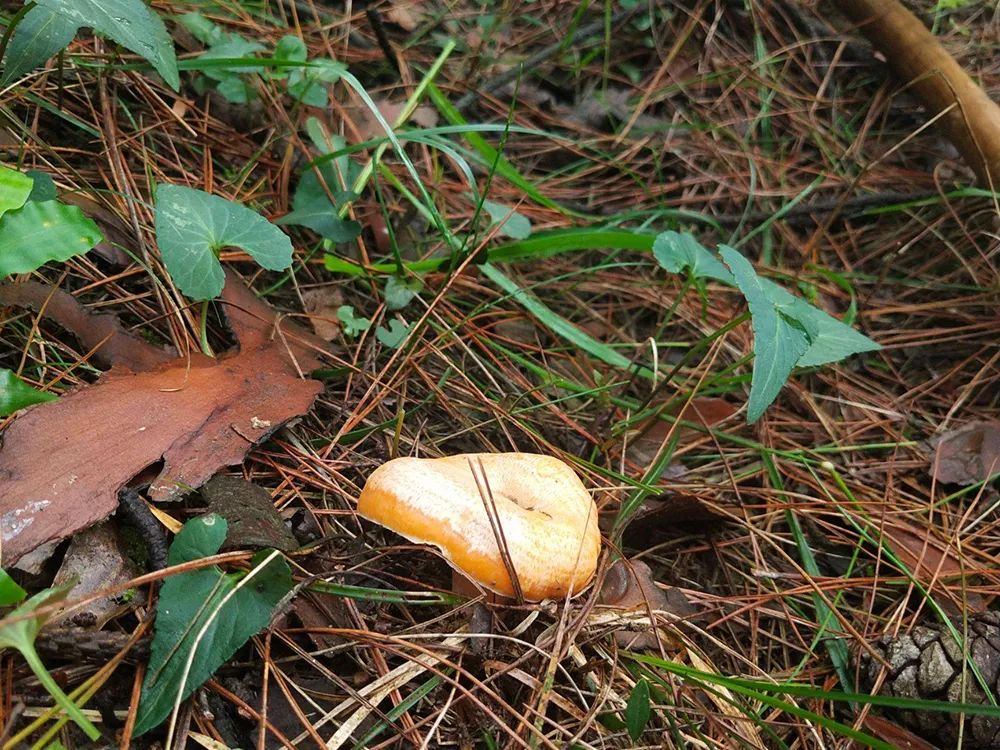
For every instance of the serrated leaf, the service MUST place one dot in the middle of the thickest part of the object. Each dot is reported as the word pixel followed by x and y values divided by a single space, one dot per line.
pixel 192 226
pixel 399 292
pixel 41 34
pixel 515 225
pixel 130 23
pixel 777 343
pixel 829 339
pixel 311 207
pixel 41 231
pixel 15 394
pixel 637 709
pixel 394 335
pixel 188 602
pixel 15 187
pixel 10 592
pixel 42 186
pixel 677 251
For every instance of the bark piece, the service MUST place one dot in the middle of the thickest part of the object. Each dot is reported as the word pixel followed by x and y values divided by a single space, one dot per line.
pixel 63 463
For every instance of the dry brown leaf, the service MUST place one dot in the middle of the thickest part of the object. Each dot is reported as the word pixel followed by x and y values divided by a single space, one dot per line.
pixel 895 735
pixel 408 15
pixel 629 586
pixel 704 411
pixel 967 455
pixel 368 128
pixel 63 463
pixel 321 306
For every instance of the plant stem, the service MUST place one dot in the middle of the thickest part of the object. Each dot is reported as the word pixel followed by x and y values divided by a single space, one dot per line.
pixel 71 709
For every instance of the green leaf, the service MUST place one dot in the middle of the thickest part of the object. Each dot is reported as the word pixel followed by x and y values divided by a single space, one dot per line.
pixel 20 634
pixel 515 225
pixel 42 186
pixel 41 231
pixel 41 34
pixel 128 22
pixel 235 90
pixel 10 592
pixel 229 47
pixel 394 335
pixel 311 207
pixel 15 187
pixel 637 709
pixel 15 394
pixel 399 292
pixel 676 251
pixel 352 325
pixel 290 48
pixel 180 661
pixel 307 84
pixel 192 226
pixel 777 343
pixel 829 339
pixel 203 29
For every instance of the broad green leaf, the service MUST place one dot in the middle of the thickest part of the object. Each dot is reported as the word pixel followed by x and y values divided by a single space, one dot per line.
pixel 41 231
pixel 637 709
pixel 193 226
pixel 829 339
pixel 677 251
pixel 290 48
pixel 10 592
pixel 15 187
pixel 193 601
pixel 311 207
pixel 41 34
pixel 399 292
pixel 352 325
pixel 235 90
pixel 15 394
pixel 20 634
pixel 515 225
pixel 777 343
pixel 392 336
pixel 130 23
pixel 308 83
pixel 42 186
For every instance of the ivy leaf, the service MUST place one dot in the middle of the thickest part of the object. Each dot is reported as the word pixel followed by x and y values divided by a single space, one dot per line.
pixel 399 292
pixel 20 634
pixel 394 335
pixel 41 34
pixel 191 600
pixel 129 22
pixel 829 339
pixel 777 343
pixel 676 252
pixel 10 592
pixel 15 187
pixel 15 394
pixel 192 226
pixel 41 231
pixel 515 225
pixel 352 325
pixel 311 207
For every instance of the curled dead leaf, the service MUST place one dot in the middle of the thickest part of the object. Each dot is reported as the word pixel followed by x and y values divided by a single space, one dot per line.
pixel 967 455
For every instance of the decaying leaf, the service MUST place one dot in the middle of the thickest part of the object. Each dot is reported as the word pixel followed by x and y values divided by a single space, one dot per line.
pixel 704 411
pixel 63 463
pixel 321 307
pixel 967 455
pixel 249 511
pixel 629 587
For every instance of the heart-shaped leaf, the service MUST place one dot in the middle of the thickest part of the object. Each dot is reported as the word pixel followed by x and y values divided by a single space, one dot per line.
pixel 41 231
pixel 777 343
pixel 676 252
pixel 311 207
pixel 193 601
pixel 15 394
pixel 192 226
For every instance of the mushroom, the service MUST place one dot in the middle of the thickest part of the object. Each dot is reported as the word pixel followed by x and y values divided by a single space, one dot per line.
pixel 493 514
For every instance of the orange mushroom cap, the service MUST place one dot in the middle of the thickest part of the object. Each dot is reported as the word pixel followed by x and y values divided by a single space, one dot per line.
pixel 547 517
